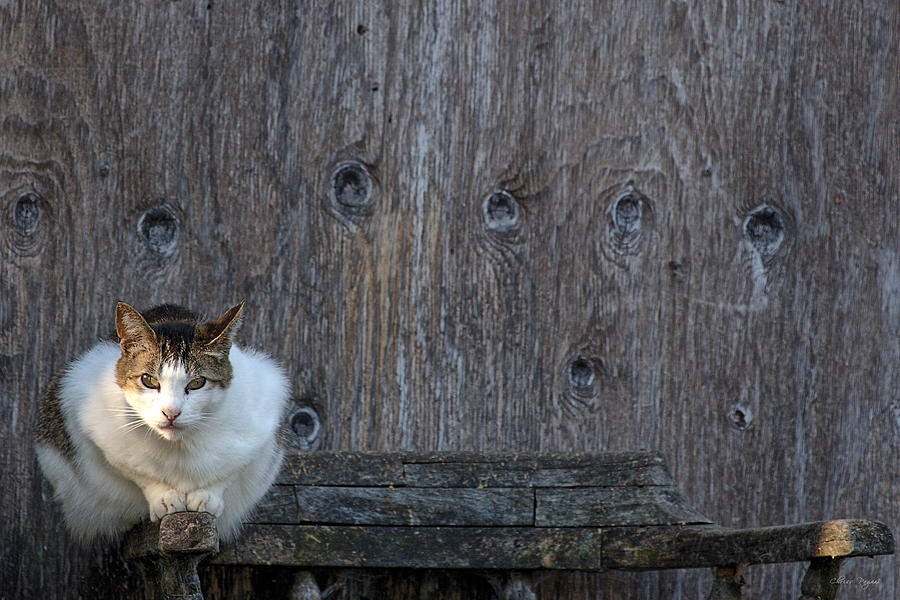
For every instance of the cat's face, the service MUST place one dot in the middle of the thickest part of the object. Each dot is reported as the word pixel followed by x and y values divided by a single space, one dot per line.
pixel 172 372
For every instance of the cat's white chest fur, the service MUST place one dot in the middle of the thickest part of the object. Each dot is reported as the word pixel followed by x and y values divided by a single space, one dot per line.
pixel 221 457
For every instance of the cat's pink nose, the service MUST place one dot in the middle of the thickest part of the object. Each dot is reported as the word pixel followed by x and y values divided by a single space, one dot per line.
pixel 171 415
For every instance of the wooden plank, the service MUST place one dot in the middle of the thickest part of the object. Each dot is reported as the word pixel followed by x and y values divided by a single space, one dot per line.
pixel 414 506
pixel 279 505
pixel 474 469
pixel 680 547
pixel 342 468
pixel 536 470
pixel 416 547
pixel 581 507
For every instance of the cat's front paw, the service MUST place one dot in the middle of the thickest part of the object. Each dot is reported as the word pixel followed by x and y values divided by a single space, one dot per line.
pixel 166 503
pixel 205 501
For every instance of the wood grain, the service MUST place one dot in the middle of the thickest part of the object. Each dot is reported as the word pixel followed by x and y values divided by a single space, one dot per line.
pixel 414 506
pixel 583 507
pixel 697 253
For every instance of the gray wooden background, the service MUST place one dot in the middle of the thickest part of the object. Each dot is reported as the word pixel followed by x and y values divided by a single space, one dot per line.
pixel 476 226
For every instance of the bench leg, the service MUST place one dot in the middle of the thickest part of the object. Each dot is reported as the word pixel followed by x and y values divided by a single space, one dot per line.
pixel 727 584
pixel 518 587
pixel 305 587
pixel 820 581
pixel 172 577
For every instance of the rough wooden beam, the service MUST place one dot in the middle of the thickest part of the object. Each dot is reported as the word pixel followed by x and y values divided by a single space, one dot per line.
pixel 704 546
pixel 520 548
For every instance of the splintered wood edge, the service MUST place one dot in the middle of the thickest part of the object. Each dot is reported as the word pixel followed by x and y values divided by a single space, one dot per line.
pixel 630 548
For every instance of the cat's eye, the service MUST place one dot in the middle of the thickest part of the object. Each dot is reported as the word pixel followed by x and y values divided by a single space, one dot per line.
pixel 150 381
pixel 196 383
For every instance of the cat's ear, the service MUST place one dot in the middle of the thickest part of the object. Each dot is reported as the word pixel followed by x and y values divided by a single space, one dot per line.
pixel 133 331
pixel 218 334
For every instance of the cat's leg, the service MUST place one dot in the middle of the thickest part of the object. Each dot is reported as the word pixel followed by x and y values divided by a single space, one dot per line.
pixel 163 500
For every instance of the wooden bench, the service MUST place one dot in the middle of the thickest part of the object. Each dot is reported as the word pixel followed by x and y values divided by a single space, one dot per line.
pixel 509 513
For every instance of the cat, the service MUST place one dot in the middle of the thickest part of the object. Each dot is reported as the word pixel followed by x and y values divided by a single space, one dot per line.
pixel 174 417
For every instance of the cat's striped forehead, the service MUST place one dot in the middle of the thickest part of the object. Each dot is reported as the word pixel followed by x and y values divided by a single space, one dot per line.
pixel 175 342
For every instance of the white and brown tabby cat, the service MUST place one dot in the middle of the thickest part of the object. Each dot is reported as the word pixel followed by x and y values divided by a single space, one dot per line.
pixel 174 417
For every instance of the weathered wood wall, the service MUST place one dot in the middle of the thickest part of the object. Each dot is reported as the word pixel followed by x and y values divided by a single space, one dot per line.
pixel 477 226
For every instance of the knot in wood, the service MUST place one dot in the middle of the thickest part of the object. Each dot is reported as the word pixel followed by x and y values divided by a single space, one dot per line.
pixel 630 217
pixel 158 228
pixel 29 219
pixel 352 188
pixel 501 212
pixel 764 228
pixel 305 426
pixel 581 373
pixel 627 214
pixel 27 214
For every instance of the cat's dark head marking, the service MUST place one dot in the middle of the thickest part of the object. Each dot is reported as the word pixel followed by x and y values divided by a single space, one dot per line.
pixel 175 335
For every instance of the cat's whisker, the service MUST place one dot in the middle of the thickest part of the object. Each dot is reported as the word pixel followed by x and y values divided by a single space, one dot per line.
pixel 123 413
pixel 132 425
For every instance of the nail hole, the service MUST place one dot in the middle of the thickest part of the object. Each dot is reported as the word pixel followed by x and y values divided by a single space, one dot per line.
pixel 740 417
pixel 158 226
pixel 351 188
pixel 361 29
pixel 501 212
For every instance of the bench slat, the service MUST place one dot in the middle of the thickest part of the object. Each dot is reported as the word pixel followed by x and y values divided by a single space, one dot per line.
pixel 581 507
pixel 415 547
pixel 472 469
pixel 414 506
pixel 342 468
pixel 543 507
pixel 616 469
